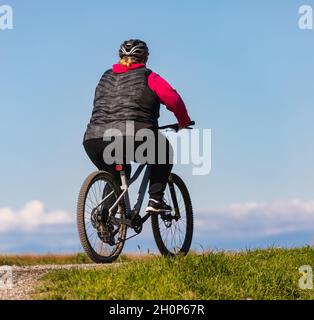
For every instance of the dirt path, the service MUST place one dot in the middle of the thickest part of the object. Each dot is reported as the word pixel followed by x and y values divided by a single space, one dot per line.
pixel 25 279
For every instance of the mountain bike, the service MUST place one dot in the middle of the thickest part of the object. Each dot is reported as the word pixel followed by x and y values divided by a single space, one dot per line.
pixel 104 213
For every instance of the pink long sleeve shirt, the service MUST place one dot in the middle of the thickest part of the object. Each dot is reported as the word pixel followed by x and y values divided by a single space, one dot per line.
pixel 167 95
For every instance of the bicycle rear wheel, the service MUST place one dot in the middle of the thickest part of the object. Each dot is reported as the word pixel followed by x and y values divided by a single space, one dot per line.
pixel 173 231
pixel 101 240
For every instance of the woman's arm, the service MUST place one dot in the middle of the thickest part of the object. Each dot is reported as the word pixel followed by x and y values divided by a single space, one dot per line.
pixel 170 98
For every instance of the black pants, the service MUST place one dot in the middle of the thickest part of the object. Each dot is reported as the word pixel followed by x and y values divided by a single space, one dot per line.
pixel 159 172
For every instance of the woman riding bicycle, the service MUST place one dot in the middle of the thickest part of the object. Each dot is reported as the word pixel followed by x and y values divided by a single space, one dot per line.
pixel 131 92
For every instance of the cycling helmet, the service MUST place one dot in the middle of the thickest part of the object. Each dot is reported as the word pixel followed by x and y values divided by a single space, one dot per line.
pixel 134 48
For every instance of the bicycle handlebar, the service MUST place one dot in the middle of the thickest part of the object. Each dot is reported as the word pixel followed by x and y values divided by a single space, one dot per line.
pixel 176 126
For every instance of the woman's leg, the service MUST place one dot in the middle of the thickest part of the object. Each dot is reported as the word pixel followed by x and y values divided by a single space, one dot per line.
pixel 160 171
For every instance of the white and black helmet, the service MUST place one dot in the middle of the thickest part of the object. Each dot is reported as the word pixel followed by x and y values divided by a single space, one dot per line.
pixel 134 48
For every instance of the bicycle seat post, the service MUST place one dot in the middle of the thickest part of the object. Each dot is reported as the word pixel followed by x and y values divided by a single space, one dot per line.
pixel 124 186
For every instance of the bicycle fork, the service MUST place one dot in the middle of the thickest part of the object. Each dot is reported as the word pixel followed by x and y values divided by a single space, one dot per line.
pixel 174 198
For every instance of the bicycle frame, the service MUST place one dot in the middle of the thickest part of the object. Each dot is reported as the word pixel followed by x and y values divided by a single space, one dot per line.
pixel 125 183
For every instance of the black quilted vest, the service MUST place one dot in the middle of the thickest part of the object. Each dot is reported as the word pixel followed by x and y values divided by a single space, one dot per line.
pixel 120 97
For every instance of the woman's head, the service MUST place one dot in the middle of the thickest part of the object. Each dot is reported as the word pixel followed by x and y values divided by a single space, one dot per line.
pixel 133 51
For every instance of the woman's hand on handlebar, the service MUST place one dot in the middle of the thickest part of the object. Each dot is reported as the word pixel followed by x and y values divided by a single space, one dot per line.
pixel 176 127
pixel 188 126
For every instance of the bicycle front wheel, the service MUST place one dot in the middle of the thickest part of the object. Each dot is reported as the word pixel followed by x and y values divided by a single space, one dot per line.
pixel 101 240
pixel 173 231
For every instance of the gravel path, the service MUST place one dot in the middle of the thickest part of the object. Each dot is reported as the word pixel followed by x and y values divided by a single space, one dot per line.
pixel 25 278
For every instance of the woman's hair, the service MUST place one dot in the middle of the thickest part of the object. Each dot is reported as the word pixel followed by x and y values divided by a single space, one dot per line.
pixel 128 61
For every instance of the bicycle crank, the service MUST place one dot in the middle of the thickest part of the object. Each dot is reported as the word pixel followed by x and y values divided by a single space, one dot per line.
pixel 137 223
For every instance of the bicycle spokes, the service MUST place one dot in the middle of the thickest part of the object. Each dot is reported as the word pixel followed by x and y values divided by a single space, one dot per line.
pixel 100 238
pixel 172 227
pixel 173 230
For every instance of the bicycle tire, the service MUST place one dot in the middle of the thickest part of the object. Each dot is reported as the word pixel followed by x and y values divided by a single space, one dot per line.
pixel 156 222
pixel 81 227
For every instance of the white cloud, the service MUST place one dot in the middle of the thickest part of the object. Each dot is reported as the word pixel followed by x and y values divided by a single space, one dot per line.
pixel 33 228
pixel 31 217
pixel 254 219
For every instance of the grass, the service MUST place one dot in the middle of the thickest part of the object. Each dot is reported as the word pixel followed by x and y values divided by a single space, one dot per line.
pixel 258 274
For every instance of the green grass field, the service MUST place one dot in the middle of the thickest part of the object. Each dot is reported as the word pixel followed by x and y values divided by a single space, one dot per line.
pixel 258 274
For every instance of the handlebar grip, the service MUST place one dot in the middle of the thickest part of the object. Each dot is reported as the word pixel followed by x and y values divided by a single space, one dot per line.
pixel 175 126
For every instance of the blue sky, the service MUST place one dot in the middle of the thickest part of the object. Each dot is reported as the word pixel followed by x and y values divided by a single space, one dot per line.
pixel 243 68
